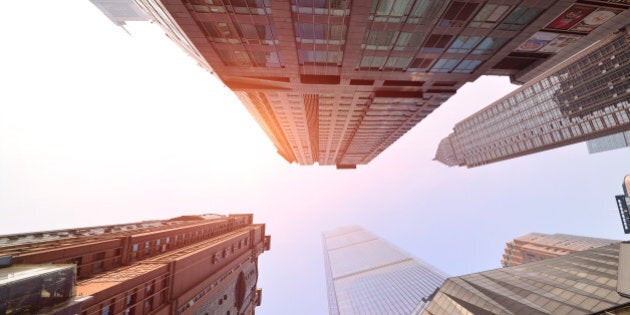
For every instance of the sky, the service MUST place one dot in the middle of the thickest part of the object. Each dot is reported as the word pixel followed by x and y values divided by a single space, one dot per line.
pixel 98 126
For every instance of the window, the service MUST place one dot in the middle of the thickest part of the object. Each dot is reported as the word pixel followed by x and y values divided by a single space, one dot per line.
pixel 379 40
pixel 270 59
pixel 458 13
pixel 463 44
pixel 320 57
pixel 436 43
pixel 221 32
pixel 231 58
pixel 489 15
pixel 206 6
pixel 257 33
pixel 520 17
pixel 105 310
pixel 99 262
pixel 391 8
pixel 259 7
pixel 369 62
pixel 467 66
pixel 426 11
pixel 332 7
pixel 320 33
pixel 444 65
pixel 409 41
pixel 489 45
pixel 397 63
pixel 420 64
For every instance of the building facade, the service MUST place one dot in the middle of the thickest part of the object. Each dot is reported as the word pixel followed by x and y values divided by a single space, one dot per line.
pixel 612 142
pixel 198 264
pixel 580 283
pixel 586 97
pixel 538 246
pixel 337 82
pixel 367 275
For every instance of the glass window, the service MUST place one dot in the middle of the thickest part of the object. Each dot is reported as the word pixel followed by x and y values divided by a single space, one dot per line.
pixel 489 15
pixel 232 58
pixel 270 59
pixel 436 43
pixel 444 65
pixel 467 66
pixel 332 7
pixel 264 33
pixel 368 62
pixel 458 13
pixel 425 11
pixel 397 63
pixel 206 6
pixel 519 17
pixel 221 32
pixel 320 33
pixel 379 40
pixel 248 6
pixel 463 44
pixel 390 7
pixel 320 56
pixel 409 41
pixel 489 45
pixel 420 64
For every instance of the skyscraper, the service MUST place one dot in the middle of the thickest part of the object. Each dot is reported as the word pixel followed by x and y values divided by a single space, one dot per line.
pixel 586 97
pixel 580 283
pixel 337 82
pixel 539 246
pixel 367 275
pixel 197 264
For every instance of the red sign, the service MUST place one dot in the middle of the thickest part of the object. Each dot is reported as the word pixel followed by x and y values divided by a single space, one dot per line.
pixel 570 17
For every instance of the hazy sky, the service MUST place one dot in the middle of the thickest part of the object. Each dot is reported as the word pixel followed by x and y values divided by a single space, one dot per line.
pixel 100 127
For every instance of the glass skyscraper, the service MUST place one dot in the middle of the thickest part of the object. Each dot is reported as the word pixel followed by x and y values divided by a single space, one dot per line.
pixel 584 98
pixel 367 275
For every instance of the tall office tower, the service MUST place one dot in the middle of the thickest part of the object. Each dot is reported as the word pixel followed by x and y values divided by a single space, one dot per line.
pixel 539 246
pixel 584 98
pixel 197 264
pixel 580 283
pixel 335 82
pixel 367 275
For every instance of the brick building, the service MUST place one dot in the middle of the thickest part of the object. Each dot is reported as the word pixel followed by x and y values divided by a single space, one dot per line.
pixel 198 264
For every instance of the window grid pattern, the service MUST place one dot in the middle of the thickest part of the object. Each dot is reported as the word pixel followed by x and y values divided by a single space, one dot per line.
pixel 366 275
pixel 587 98
pixel 583 282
